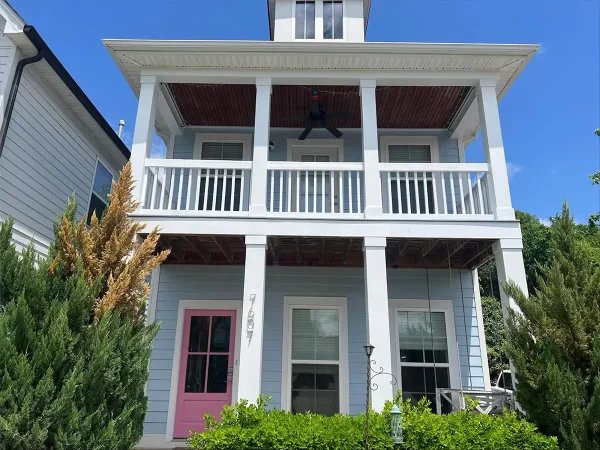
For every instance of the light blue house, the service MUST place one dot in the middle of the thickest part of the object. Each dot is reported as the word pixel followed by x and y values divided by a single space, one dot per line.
pixel 316 198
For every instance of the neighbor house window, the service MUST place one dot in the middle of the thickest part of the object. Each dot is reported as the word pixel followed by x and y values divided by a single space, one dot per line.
pixel 305 20
pixel 424 357
pixel 100 189
pixel 333 20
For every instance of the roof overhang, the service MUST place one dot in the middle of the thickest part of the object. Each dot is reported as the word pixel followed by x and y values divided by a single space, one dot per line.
pixel 271 12
pixel 400 64
pixel 54 73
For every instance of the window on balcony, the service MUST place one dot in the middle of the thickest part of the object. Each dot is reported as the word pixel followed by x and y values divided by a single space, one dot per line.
pixel 101 187
pixel 214 184
pixel 305 20
pixel 333 20
pixel 412 184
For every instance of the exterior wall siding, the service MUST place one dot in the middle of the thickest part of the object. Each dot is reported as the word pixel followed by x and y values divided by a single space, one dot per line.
pixel 47 157
pixel 226 283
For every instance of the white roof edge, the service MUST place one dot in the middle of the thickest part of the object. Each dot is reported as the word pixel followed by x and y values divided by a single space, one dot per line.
pixel 319 47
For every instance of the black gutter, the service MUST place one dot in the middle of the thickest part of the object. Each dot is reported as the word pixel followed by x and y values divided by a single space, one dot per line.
pixel 13 94
pixel 62 73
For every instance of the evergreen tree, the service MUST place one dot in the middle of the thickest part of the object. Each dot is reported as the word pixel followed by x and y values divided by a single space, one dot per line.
pixel 555 343
pixel 74 348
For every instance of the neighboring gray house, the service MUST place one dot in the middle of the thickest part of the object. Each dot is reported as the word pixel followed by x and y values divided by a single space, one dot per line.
pixel 54 143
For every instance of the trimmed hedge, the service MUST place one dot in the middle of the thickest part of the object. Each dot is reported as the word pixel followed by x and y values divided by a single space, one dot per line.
pixel 254 427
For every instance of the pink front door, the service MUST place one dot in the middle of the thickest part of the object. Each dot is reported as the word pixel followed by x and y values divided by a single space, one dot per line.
pixel 206 368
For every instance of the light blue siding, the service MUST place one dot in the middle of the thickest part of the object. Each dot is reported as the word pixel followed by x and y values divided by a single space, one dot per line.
pixel 226 283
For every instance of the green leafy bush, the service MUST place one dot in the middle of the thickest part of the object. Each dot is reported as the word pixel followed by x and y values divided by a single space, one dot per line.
pixel 255 427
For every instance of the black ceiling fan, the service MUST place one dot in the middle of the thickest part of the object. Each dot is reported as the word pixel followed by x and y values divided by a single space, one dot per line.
pixel 318 116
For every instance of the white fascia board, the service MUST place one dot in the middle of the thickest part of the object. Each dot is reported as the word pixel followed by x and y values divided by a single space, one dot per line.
pixel 492 229
pixel 423 48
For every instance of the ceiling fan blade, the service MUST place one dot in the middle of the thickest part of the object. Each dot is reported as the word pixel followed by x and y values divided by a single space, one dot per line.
pixel 306 132
pixel 339 115
pixel 333 130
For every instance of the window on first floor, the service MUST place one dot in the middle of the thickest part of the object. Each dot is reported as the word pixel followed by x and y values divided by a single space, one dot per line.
pixel 424 360
pixel 333 20
pixel 101 187
pixel 315 360
pixel 305 20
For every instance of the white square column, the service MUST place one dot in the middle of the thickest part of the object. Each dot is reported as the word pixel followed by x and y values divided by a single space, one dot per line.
pixel 143 132
pixel 372 178
pixel 378 318
pixel 260 157
pixel 493 147
pixel 250 354
pixel 510 267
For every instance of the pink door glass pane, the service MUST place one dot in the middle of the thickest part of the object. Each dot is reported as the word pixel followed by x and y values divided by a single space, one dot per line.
pixel 206 368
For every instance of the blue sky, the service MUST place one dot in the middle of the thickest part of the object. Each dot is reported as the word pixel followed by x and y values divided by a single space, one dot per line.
pixel 548 117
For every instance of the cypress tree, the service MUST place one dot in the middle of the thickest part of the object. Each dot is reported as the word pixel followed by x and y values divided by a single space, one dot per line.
pixel 555 344
pixel 74 346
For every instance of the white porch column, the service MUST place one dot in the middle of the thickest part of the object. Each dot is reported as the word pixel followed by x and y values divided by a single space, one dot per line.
pixel 144 131
pixel 494 149
pixel 378 319
pixel 510 267
pixel 262 123
pixel 250 362
pixel 373 204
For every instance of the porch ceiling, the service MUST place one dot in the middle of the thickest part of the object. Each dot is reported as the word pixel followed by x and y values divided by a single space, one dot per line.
pixel 327 252
pixel 234 105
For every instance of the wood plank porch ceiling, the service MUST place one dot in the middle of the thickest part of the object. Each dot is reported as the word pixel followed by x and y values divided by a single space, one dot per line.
pixel 327 252
pixel 234 105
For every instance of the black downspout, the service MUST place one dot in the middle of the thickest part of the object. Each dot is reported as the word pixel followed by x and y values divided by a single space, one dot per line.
pixel 13 94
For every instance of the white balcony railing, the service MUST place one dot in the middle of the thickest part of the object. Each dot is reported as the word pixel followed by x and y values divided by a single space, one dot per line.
pixel 315 189
pixel 196 187
pixel 445 189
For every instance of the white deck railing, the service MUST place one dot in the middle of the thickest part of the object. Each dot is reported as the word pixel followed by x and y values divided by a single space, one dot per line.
pixel 196 187
pixel 445 189
pixel 315 189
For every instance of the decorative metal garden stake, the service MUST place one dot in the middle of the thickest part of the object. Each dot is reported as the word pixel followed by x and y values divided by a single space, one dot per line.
pixel 372 373
pixel 396 425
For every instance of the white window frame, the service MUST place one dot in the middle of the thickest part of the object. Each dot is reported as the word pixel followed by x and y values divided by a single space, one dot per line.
pixel 319 23
pixel 337 303
pixel 344 27
pixel 386 141
pixel 114 178
pixel 234 305
pixel 445 306
pixel 243 138
pixel 296 148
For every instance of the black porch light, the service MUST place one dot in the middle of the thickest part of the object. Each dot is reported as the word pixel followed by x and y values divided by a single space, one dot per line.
pixel 369 350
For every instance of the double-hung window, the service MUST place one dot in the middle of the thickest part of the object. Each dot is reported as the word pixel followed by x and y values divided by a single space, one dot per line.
pixel 215 183
pixel 305 20
pixel 101 187
pixel 333 20
pixel 423 343
pixel 316 360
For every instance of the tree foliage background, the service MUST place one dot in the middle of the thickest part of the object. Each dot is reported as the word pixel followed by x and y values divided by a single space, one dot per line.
pixel 74 348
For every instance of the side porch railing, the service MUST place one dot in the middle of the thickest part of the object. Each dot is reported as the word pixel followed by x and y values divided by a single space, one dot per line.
pixel 435 189
pixel 488 402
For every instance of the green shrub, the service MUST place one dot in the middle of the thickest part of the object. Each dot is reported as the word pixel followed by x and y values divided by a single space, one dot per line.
pixel 255 427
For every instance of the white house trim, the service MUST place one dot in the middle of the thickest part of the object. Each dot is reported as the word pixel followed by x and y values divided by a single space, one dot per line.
pixel 445 306
pixel 339 303
pixel 296 147
pixel 479 311
pixel 200 304
pixel 244 138
pixel 386 141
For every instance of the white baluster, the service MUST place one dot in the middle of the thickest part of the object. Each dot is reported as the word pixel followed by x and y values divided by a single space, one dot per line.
pixel 145 182
pixel 435 199
pixel 298 177
pixel 281 172
pixel 470 188
pixel 315 191
pixel 322 192
pixel 180 190
pixel 153 193
pixel 398 193
pixel 289 191
pixel 223 190
pixel 350 197
pixel 332 189
pixel 306 191
pixel 171 188
pixel 407 182
pixel 198 182
pixel 358 187
pixel 417 193
pixel 480 194
pixel 271 191
pixel 215 186
pixel 462 195
pixel 163 189
pixel 388 175
pixel 243 182
pixel 426 193
pixel 189 189
pixel 232 189
pixel 206 183
pixel 341 180
pixel 444 199
pixel 452 193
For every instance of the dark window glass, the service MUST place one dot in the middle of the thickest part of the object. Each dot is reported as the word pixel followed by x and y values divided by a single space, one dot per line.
pixel 199 334
pixel 195 373
pixel 96 205
pixel 219 336
pixel 217 373
pixel 419 382
pixel 315 388
pixel 102 182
